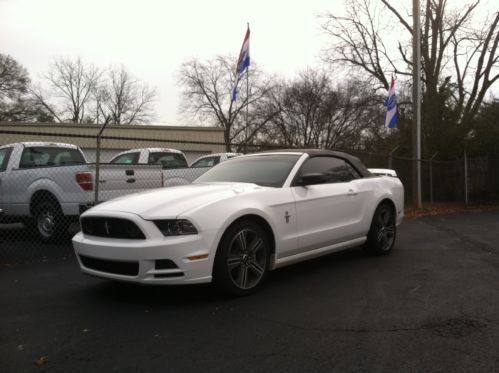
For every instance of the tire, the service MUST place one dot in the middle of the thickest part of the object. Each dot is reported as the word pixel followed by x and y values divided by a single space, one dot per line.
pixel 49 223
pixel 383 231
pixel 242 260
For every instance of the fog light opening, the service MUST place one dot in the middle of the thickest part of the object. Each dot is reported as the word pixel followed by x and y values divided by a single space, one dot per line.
pixel 165 264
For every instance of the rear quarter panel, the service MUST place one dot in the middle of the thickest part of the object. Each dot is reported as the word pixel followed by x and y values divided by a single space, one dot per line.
pixel 377 189
pixel 117 180
pixel 388 187
pixel 22 184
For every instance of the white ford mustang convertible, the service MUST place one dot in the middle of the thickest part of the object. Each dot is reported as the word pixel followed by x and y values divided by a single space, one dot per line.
pixel 243 218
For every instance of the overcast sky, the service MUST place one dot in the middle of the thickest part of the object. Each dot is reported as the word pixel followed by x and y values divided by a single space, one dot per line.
pixel 153 37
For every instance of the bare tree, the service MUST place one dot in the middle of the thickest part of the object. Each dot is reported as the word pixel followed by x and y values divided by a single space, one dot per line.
pixel 72 84
pixel 300 105
pixel 206 92
pixel 475 57
pixel 86 94
pixel 459 59
pixel 125 99
pixel 42 100
pixel 312 112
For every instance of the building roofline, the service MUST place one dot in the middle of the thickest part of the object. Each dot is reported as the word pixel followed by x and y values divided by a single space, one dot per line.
pixel 146 127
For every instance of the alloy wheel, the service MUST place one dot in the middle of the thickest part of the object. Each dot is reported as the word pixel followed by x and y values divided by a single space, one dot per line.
pixel 386 229
pixel 247 258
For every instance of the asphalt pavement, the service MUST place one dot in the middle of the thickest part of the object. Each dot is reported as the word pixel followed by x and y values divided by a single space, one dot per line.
pixel 430 306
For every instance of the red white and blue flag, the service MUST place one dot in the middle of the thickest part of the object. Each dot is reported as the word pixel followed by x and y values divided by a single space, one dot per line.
pixel 242 63
pixel 391 107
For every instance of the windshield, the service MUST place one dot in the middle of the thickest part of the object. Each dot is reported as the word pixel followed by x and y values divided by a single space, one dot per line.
pixel 266 170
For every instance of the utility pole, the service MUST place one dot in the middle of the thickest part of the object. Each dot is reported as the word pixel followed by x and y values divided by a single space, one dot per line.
pixel 416 106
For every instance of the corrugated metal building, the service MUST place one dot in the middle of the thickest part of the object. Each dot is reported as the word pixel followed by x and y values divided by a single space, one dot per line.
pixel 193 141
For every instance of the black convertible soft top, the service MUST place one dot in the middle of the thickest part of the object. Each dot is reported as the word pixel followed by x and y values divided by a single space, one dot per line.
pixel 354 161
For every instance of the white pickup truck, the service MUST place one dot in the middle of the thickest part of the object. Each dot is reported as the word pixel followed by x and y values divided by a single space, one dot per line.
pixel 176 171
pixel 47 185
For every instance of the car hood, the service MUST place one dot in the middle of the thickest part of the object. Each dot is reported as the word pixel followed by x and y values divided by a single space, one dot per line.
pixel 173 201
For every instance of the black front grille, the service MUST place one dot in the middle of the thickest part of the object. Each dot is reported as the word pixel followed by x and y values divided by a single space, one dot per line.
pixel 111 228
pixel 111 266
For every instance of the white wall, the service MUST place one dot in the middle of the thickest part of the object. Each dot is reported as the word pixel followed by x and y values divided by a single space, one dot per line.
pixel 107 155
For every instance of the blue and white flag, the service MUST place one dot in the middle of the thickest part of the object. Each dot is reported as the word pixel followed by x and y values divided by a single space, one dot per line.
pixel 242 63
pixel 391 107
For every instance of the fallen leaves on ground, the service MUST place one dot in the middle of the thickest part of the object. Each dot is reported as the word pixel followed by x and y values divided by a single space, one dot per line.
pixel 42 360
pixel 447 209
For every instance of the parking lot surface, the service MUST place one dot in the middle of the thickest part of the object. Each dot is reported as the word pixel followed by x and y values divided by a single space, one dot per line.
pixel 431 306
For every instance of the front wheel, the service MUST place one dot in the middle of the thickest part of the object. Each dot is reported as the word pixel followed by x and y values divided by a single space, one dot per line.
pixel 242 259
pixel 381 236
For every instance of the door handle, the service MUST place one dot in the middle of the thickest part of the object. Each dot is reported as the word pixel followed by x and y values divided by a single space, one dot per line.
pixel 352 192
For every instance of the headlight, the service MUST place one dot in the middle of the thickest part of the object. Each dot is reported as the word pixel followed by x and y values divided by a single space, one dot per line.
pixel 177 227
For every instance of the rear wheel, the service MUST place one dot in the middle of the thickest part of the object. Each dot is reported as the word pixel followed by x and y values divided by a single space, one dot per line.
pixel 381 236
pixel 49 222
pixel 242 259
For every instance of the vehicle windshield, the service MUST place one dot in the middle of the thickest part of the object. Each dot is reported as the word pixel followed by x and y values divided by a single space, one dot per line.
pixel 265 170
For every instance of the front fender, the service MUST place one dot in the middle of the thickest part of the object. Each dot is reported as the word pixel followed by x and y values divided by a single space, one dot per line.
pixel 236 215
pixel 271 205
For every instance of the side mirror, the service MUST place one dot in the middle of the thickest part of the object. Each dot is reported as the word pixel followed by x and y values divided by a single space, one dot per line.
pixel 311 179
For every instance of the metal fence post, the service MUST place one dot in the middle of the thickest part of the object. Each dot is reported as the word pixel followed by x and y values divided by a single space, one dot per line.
pixel 469 136
pixel 97 161
pixel 465 177
pixel 390 156
pixel 431 176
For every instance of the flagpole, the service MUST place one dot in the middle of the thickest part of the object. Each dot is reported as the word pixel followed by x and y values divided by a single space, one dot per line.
pixel 247 107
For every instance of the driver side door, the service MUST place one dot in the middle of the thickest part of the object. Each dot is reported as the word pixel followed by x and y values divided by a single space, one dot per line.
pixel 330 211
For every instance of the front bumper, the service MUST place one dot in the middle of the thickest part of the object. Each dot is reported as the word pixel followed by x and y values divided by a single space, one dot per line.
pixel 143 261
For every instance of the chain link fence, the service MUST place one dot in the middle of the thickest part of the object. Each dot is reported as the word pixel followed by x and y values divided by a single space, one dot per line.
pixel 45 185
